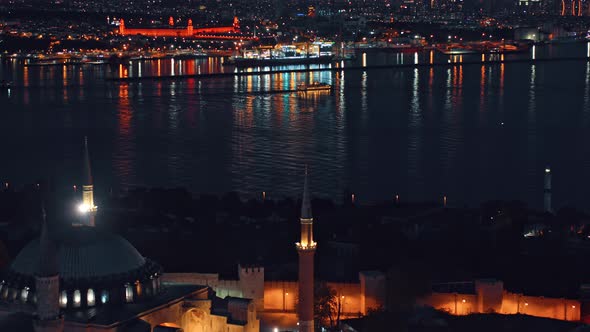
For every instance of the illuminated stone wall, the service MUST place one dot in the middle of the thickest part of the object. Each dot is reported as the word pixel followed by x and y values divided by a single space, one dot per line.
pixel 222 288
pixel 251 285
pixel 372 290
pixel 280 295
pixel 564 309
pixel 462 304
pixel 456 304
pixel 351 303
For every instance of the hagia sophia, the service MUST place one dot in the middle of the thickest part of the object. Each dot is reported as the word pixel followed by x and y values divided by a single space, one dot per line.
pixel 84 279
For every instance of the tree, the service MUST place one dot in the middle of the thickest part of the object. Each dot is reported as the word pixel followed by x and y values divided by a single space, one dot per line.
pixel 325 304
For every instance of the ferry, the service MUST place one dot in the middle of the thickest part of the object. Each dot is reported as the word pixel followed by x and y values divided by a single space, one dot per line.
pixel 484 47
pixel 315 86
pixel 457 50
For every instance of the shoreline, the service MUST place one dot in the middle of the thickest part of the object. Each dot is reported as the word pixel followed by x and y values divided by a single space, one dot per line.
pixel 352 68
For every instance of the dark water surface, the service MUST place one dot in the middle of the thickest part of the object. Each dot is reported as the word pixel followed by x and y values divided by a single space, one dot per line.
pixel 472 132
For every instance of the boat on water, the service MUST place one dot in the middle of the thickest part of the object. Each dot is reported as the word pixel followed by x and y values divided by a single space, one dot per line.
pixel 315 86
pixel 457 50
pixel 484 47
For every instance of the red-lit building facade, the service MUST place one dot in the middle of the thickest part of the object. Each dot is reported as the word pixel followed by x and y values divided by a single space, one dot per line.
pixel 224 32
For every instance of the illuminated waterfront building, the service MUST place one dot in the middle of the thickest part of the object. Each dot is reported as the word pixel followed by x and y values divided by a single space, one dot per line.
pixel 223 32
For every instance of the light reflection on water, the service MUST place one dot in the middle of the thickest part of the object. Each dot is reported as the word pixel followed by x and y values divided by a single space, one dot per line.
pixel 417 132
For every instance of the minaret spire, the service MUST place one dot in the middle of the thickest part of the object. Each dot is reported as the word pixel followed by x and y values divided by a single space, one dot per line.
pixel 87 169
pixel 87 208
pixel 306 202
pixel 306 249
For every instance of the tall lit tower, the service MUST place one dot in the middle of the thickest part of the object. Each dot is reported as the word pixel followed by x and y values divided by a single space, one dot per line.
pixel 48 317
pixel 306 249
pixel 87 208
pixel 547 191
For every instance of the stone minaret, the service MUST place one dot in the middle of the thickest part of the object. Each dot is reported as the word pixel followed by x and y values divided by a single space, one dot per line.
pixel 87 208
pixel 547 191
pixel 306 249
pixel 47 285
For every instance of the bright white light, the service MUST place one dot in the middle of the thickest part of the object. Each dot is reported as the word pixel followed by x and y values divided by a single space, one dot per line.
pixel 77 298
pixel 547 170
pixel 90 299
pixel 276 329
pixel 83 208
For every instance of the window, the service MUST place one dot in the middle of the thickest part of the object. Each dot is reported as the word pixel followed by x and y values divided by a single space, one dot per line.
pixel 155 285
pixel 77 298
pixel 63 299
pixel 104 296
pixel 128 293
pixel 24 294
pixel 90 300
pixel 138 288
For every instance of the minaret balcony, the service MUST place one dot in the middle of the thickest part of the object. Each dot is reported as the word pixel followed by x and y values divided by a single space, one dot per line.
pixel 86 208
pixel 305 247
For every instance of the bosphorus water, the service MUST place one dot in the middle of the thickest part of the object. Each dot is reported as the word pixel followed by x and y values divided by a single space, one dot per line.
pixel 471 132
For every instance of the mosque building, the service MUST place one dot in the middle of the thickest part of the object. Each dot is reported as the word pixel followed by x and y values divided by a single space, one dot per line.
pixel 84 279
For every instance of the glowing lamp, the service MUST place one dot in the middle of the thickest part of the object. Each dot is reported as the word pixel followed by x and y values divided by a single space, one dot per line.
pixel 547 170
pixel 83 208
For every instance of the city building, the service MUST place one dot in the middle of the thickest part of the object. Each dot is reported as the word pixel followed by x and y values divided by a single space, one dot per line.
pixel 221 32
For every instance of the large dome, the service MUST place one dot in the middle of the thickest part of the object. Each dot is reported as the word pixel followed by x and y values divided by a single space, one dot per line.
pixel 90 263
pixel 82 253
